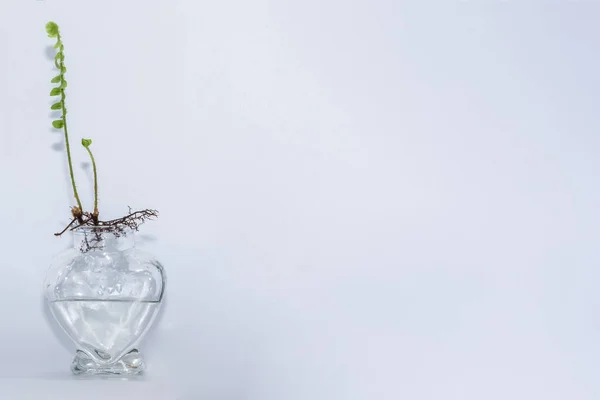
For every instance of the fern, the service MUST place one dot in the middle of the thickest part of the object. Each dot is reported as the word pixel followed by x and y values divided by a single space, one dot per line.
pixel 118 226
pixel 59 62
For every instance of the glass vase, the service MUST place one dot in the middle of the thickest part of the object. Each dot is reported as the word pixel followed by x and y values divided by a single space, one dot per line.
pixel 105 294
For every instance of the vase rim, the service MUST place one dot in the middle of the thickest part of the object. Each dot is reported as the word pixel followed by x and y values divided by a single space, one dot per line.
pixel 102 229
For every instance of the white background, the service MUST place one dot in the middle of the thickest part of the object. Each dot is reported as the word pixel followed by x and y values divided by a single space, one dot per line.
pixel 359 199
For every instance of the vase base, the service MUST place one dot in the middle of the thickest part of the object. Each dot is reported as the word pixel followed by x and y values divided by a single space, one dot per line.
pixel 130 364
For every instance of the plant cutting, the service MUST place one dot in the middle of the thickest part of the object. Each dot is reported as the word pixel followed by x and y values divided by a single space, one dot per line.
pixel 104 292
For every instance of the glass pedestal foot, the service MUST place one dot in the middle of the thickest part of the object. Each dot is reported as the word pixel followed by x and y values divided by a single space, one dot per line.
pixel 130 364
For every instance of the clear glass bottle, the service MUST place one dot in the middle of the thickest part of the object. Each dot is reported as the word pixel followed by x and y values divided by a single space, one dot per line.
pixel 105 294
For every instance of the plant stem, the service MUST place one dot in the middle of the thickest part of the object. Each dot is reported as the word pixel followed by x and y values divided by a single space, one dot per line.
pixel 95 181
pixel 69 152
pixel 64 118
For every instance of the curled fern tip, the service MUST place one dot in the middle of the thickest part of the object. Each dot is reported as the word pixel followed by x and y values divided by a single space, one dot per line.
pixel 52 29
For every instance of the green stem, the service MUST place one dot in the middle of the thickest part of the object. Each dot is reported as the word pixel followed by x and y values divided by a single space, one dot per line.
pixel 95 180
pixel 64 118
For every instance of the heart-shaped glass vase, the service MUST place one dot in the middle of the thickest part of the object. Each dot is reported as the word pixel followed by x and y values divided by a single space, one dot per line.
pixel 105 294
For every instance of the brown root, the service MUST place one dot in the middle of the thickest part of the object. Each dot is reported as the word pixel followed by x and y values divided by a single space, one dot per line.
pixel 117 227
pixel 77 214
